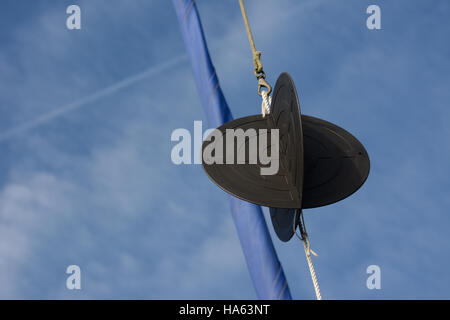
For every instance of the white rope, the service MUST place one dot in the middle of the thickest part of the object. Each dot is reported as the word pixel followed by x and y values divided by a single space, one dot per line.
pixel 305 239
pixel 308 252
pixel 266 102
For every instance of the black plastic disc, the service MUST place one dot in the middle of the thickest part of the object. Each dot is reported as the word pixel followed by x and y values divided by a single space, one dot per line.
pixel 336 163
pixel 285 112
pixel 335 166
pixel 245 181
pixel 283 222
pixel 319 162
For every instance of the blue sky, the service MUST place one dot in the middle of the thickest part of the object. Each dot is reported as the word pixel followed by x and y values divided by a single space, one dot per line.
pixel 85 125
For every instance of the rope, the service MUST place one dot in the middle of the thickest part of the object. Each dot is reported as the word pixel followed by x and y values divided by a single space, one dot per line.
pixel 306 244
pixel 256 54
pixel 266 102
pixel 265 109
pixel 259 72
pixel 311 269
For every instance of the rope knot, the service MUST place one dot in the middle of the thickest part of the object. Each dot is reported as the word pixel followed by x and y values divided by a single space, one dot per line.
pixel 258 64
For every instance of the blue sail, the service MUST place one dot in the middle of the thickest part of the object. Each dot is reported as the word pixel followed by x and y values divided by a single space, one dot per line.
pixel 262 261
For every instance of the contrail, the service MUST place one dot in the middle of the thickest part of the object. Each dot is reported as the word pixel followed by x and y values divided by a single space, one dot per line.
pixel 92 97
pixel 128 81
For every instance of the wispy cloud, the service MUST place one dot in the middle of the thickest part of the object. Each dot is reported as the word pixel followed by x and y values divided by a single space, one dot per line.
pixel 152 71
